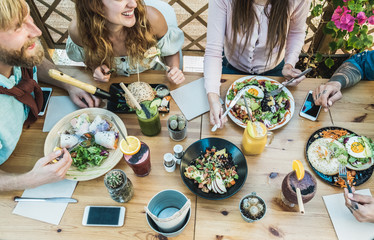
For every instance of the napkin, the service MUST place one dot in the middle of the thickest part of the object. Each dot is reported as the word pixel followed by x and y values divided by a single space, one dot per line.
pixel 59 107
pixel 192 99
pixel 345 224
pixel 46 211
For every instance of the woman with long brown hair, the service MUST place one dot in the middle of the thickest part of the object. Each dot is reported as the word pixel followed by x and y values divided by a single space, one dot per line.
pixel 258 37
pixel 115 34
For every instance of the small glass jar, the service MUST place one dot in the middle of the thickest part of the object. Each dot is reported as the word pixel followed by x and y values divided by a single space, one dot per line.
pixel 177 135
pixel 123 190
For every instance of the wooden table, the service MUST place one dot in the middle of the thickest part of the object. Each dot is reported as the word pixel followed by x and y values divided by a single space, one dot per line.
pixel 209 219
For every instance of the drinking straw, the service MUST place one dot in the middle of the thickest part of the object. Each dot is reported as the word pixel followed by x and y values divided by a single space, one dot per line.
pixel 300 201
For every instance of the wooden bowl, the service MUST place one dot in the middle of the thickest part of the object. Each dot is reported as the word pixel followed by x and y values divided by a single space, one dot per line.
pixel 115 155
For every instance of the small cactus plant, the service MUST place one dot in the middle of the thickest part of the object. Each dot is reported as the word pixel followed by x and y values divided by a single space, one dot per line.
pixel 177 122
pixel 114 179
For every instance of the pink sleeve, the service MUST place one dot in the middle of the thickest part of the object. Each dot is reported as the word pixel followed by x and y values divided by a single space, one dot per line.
pixel 214 47
pixel 296 32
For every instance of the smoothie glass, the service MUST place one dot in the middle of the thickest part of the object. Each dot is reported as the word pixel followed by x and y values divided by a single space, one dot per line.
pixel 141 161
pixel 149 126
pixel 307 185
pixel 255 138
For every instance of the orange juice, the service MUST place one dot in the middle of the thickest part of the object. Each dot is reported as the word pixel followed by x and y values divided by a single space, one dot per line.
pixel 254 138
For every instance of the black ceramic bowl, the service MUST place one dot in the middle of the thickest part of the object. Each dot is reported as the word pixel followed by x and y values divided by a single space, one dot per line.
pixel 199 147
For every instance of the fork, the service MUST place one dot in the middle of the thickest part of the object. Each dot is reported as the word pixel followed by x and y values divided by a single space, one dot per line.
pixel 343 175
pixel 284 84
pixel 157 59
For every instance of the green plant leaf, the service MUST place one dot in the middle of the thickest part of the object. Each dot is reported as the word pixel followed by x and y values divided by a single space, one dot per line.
pixel 317 10
pixel 364 29
pixel 356 30
pixel 358 44
pixel 331 25
pixel 340 43
pixel 329 62
pixel 352 40
pixel 318 57
pixel 333 46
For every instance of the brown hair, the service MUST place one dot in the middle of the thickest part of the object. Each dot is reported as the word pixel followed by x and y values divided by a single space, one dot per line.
pixel 244 17
pixel 11 10
pixel 95 35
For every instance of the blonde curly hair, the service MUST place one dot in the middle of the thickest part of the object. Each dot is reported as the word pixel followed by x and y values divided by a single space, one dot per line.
pixel 95 35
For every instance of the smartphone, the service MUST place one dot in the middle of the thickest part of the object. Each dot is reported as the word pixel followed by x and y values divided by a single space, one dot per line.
pixel 47 92
pixel 106 216
pixel 309 110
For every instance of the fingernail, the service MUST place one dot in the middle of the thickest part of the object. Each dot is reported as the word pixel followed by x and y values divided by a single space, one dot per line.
pixel 350 195
pixel 58 152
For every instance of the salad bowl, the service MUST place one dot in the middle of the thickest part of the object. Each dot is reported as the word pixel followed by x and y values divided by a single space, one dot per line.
pixel 115 155
pixel 244 82
pixel 198 148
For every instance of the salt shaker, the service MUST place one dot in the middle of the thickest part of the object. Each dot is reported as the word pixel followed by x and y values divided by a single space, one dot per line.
pixel 178 153
pixel 169 162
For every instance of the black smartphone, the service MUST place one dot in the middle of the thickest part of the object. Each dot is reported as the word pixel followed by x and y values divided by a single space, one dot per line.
pixel 47 92
pixel 309 110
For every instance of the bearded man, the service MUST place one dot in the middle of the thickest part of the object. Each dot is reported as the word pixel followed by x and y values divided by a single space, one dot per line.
pixel 21 97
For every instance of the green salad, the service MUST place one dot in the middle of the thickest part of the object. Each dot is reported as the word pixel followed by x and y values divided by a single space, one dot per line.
pixel 265 108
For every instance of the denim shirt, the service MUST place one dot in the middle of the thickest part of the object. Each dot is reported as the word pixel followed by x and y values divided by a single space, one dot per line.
pixel 13 114
pixel 365 63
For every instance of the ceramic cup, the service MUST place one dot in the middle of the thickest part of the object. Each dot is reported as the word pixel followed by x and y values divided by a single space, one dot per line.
pixel 252 207
pixel 168 209
pixel 155 228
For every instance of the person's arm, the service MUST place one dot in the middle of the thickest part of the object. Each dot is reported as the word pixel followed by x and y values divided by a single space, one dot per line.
pixel 345 76
pixel 295 41
pixel 42 173
pixel 77 95
pixel 217 14
pixel 159 28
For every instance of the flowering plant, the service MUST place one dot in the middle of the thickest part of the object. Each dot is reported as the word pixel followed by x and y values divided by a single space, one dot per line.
pixel 348 26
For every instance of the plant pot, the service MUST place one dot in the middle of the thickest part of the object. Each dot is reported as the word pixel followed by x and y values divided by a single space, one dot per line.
pixel 121 192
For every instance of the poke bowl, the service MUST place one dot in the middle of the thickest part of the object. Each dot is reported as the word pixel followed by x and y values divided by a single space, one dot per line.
pixel 101 145
pixel 213 168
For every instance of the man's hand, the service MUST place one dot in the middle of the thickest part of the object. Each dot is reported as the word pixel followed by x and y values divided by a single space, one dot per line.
pixel 102 73
pixel 82 98
pixel 325 95
pixel 175 75
pixel 290 72
pixel 216 110
pixel 365 211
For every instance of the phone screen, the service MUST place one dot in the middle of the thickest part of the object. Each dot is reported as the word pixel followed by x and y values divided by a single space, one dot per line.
pixel 309 108
pixel 46 95
pixel 103 215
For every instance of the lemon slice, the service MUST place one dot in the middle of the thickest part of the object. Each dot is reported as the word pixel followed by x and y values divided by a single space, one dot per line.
pixel 298 167
pixel 256 129
pixel 132 147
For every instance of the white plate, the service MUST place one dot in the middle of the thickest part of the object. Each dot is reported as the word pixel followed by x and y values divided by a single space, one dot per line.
pixel 115 155
pixel 288 114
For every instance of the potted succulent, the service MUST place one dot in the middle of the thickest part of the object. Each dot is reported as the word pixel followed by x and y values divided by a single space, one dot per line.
pixel 177 126
pixel 119 186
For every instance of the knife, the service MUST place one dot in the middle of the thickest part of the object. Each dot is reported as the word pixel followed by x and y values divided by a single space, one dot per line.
pixel 53 199
pixel 62 77
pixel 232 104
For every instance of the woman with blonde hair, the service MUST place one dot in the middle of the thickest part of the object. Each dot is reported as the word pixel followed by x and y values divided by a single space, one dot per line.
pixel 115 34
pixel 258 37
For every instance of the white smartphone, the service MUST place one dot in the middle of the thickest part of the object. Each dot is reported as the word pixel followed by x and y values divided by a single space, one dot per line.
pixel 106 216
pixel 309 110
pixel 47 92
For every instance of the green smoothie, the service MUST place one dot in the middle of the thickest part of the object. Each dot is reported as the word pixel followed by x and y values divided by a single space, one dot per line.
pixel 151 126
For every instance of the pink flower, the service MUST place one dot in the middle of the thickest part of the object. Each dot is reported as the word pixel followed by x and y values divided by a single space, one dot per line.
pixel 342 19
pixel 361 18
pixel 345 0
pixel 347 22
pixel 371 20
